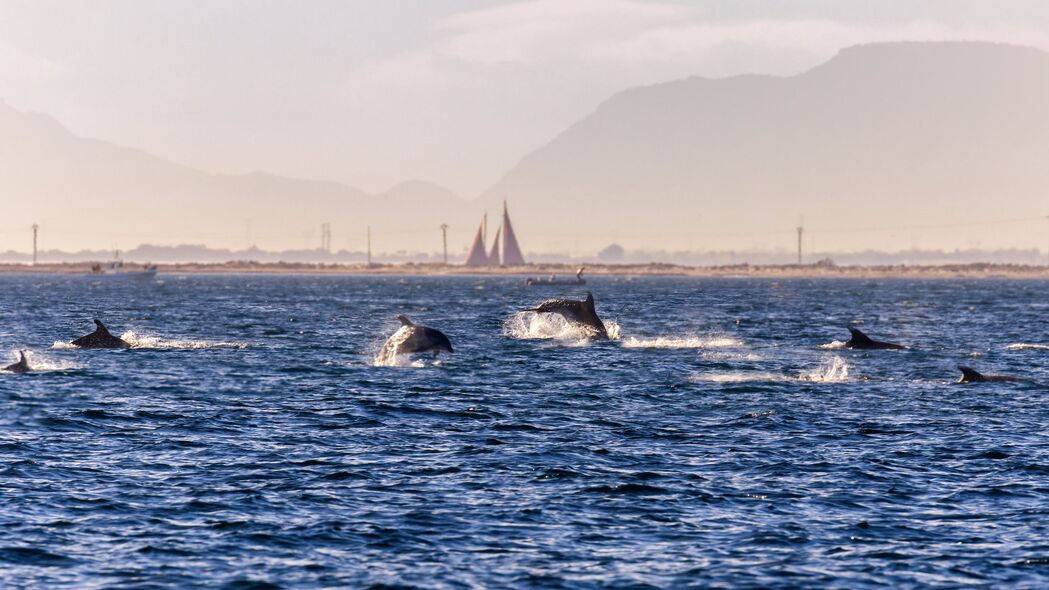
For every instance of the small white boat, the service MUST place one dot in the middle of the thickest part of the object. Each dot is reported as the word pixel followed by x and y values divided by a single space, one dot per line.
pixel 116 270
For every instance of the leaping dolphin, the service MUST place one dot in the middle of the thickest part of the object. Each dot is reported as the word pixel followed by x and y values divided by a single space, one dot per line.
pixel 21 366
pixel 861 341
pixel 973 376
pixel 100 338
pixel 578 312
pixel 415 338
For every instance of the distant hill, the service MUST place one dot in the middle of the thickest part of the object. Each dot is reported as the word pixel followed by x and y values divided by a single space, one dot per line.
pixel 884 135
pixel 898 135
pixel 83 190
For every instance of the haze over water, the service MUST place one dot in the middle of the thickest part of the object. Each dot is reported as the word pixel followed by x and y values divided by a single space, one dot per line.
pixel 723 439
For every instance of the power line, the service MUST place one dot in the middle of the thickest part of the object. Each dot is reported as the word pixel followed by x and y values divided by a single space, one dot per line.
pixel 927 226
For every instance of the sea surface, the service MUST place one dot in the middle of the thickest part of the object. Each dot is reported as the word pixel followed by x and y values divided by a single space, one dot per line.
pixel 723 439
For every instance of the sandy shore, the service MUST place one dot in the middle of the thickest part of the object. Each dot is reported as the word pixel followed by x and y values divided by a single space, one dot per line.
pixel 566 270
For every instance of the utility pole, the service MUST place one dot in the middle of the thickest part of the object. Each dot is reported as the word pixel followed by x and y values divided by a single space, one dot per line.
pixel 326 237
pixel 35 228
pixel 444 235
pixel 369 245
pixel 801 230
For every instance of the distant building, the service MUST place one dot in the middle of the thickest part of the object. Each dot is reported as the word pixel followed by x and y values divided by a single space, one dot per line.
pixel 511 255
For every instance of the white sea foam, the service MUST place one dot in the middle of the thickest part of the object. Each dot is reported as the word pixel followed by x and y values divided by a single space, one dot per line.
pixel 528 325
pixel 682 342
pixel 1027 346
pixel 721 355
pixel 39 363
pixel 834 345
pixel 149 341
pixel 737 377
pixel 137 340
pixel 833 370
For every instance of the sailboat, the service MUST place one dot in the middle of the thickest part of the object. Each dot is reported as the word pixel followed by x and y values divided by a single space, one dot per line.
pixel 511 250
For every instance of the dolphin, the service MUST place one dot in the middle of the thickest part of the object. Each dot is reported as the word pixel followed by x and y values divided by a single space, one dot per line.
pixel 578 312
pixel 412 337
pixel 21 366
pixel 100 338
pixel 973 376
pixel 861 341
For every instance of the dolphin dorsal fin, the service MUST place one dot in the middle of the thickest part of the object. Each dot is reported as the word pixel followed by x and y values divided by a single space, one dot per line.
pixel 100 327
pixel 405 321
pixel 21 357
pixel 589 300
pixel 858 336
pixel 970 374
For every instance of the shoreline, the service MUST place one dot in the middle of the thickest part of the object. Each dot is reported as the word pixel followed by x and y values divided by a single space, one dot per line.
pixel 566 271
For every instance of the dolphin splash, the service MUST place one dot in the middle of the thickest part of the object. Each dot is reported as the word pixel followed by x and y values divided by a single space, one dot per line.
pixel 412 338
pixel 582 313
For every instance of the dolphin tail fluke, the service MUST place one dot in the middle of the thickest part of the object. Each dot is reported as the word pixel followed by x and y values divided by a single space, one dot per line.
pixel 405 321
pixel 970 374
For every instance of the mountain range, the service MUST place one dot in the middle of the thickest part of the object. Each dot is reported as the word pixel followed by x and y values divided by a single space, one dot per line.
pixel 896 145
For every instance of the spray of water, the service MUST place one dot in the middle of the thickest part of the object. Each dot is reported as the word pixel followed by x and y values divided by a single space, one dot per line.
pixel 39 363
pixel 832 370
pixel 390 355
pixel 528 325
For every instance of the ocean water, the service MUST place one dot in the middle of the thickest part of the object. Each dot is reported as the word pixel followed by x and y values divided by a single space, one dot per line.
pixel 723 439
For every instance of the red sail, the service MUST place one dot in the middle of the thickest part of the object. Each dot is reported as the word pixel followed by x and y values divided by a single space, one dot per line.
pixel 511 251
pixel 493 254
pixel 477 256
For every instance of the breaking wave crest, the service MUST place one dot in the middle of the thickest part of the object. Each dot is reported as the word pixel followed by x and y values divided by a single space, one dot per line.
pixel 682 342
pixel 528 325
pixel 1027 346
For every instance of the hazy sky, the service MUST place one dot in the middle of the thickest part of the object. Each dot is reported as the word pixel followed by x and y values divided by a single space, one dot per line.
pixel 375 92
